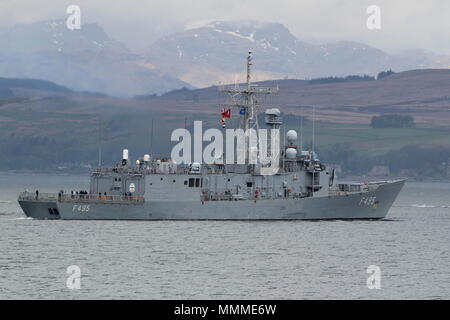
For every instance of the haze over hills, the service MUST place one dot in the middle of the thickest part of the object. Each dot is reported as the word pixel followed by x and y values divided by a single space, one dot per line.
pixel 425 94
pixel 213 53
pixel 89 60
pixel 44 125
pixel 84 60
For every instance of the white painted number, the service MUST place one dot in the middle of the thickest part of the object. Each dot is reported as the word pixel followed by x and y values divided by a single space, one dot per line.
pixel 368 201
pixel 81 208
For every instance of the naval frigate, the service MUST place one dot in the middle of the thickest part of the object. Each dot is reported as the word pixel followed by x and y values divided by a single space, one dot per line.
pixel 301 187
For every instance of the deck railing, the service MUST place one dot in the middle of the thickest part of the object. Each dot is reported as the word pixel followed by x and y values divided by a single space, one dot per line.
pixel 100 198
pixel 41 196
pixel 80 198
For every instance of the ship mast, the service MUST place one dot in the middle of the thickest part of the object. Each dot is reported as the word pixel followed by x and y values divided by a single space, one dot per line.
pixel 246 100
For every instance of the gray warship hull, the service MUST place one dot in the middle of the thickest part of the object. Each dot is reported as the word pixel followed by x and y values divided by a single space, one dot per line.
pixel 373 204
pixel 291 184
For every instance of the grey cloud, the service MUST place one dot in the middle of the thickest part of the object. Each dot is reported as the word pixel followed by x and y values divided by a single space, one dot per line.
pixel 405 23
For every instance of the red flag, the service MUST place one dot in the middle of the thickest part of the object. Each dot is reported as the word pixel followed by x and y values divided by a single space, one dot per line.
pixel 226 113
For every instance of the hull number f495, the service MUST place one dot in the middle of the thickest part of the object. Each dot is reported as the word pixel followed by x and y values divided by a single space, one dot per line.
pixel 368 201
pixel 81 208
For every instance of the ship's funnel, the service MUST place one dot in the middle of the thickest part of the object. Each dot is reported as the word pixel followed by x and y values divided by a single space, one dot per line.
pixel 125 157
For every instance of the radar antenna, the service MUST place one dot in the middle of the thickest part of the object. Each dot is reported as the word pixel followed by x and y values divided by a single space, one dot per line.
pixel 246 99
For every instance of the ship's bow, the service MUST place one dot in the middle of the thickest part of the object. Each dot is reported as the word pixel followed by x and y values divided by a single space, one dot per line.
pixel 386 194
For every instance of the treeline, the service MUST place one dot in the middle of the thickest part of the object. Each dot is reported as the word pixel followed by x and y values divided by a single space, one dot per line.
pixel 341 79
pixel 392 121
pixel 385 74
pixel 351 78
pixel 41 153
pixel 350 161
pixel 420 162
pixel 412 161
pixel 32 84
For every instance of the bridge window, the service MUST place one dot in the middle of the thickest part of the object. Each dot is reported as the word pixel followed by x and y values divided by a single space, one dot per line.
pixel 197 183
pixel 191 182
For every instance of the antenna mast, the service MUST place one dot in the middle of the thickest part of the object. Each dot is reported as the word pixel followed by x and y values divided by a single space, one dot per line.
pixel 301 128
pixel 99 142
pixel 249 69
pixel 313 160
pixel 245 99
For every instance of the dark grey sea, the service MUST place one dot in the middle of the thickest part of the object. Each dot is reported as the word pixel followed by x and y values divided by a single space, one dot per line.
pixel 409 252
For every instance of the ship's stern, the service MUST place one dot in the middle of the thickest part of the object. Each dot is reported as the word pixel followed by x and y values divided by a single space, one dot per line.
pixel 39 206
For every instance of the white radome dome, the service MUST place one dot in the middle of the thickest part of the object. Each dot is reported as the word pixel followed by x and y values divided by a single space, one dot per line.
pixel 291 136
pixel 291 153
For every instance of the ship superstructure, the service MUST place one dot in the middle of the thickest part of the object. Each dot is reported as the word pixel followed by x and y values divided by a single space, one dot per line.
pixel 299 186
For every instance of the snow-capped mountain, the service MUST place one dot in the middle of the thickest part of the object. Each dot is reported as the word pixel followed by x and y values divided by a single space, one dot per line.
pixel 89 60
pixel 85 59
pixel 55 36
pixel 216 51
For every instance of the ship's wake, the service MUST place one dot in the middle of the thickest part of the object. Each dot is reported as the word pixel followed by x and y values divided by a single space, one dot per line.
pixel 422 206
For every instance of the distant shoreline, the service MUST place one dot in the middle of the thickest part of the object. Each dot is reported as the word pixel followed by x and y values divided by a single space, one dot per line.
pixel 86 172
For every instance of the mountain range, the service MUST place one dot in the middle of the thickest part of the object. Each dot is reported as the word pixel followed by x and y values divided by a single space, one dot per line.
pixel 90 60
pixel 216 52
pixel 84 60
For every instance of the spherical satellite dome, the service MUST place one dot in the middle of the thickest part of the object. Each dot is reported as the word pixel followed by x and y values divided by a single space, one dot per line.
pixel 291 153
pixel 291 136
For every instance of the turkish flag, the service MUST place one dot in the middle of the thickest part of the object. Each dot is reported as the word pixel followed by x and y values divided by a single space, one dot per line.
pixel 226 113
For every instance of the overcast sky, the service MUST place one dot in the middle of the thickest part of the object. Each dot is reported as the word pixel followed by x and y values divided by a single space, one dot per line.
pixel 405 24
